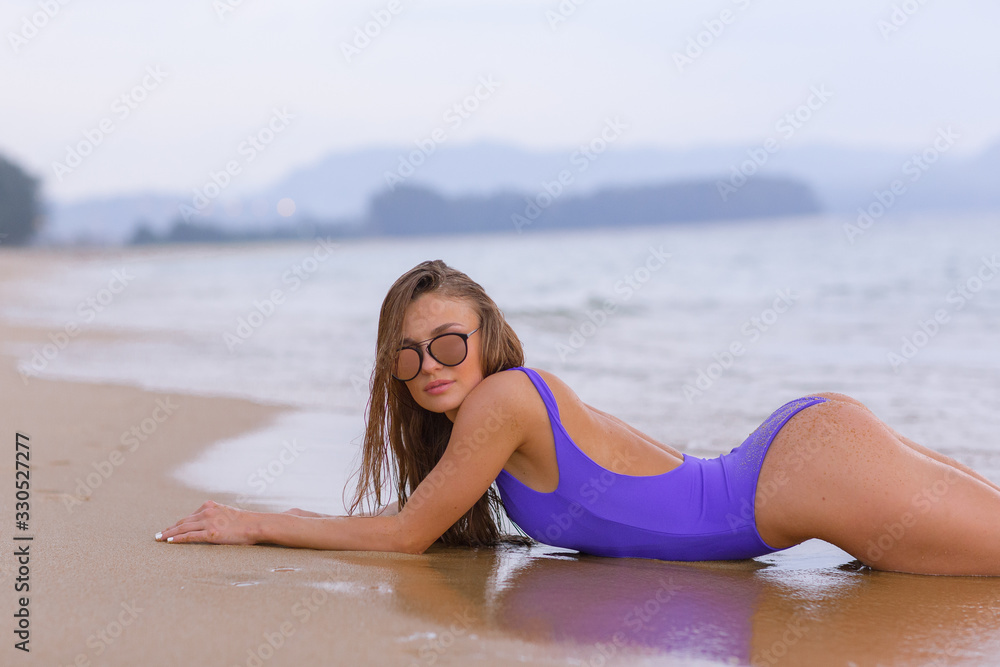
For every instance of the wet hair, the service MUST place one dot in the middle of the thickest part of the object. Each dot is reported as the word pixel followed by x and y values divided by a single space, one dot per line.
pixel 415 437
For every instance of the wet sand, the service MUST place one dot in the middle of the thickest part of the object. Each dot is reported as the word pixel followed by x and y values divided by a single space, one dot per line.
pixel 102 591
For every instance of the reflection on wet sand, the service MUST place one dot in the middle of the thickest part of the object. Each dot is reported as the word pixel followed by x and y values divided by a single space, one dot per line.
pixel 816 608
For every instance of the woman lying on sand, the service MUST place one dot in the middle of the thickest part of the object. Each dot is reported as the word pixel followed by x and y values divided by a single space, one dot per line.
pixel 457 411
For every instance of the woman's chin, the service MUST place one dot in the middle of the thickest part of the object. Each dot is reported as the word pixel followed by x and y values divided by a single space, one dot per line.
pixel 439 404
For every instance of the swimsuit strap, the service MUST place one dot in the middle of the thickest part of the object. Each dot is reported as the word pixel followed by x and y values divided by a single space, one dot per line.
pixel 543 390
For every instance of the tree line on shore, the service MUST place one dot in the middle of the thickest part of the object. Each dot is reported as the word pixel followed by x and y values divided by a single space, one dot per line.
pixel 410 210
pixel 20 209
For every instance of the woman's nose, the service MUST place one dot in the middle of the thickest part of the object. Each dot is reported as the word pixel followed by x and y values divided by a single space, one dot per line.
pixel 430 363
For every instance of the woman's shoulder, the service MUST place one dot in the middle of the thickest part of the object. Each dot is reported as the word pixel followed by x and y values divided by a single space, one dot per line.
pixel 555 384
pixel 508 383
pixel 510 387
pixel 516 378
pixel 514 387
pixel 505 397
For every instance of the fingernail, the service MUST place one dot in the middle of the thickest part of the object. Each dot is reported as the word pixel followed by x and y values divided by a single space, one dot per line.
pixel 159 536
pixel 170 539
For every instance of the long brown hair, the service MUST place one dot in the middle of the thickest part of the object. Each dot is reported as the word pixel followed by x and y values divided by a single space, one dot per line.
pixel 415 436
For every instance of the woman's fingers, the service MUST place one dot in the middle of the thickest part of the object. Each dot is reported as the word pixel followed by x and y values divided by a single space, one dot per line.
pixel 193 536
pixel 213 523
pixel 178 530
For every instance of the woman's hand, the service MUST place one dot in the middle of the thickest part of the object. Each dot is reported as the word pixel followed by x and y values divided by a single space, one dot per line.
pixel 213 523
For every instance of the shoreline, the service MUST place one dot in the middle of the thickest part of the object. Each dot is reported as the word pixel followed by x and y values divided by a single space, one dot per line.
pixel 103 591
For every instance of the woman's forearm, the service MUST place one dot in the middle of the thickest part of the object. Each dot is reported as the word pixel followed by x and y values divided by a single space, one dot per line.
pixel 297 512
pixel 341 533
pixel 388 510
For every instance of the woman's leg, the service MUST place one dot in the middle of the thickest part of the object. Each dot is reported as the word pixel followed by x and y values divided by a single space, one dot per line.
pixel 836 472
pixel 926 451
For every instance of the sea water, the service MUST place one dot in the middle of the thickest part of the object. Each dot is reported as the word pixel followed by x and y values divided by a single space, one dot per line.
pixel 692 333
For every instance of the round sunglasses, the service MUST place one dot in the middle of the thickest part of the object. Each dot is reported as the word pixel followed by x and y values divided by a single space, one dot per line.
pixel 448 349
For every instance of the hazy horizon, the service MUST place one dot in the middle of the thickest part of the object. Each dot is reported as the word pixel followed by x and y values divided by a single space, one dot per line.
pixel 401 150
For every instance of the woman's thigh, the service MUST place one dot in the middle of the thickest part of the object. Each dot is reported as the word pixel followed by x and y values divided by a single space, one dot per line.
pixel 836 472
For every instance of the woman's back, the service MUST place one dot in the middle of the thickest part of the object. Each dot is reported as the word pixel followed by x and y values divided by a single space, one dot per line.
pixel 609 442
pixel 700 509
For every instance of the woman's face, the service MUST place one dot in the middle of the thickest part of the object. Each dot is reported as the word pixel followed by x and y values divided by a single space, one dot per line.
pixel 431 315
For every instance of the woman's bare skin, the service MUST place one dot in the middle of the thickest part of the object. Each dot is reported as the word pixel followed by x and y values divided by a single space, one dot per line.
pixel 838 473
pixel 834 471
pixel 607 440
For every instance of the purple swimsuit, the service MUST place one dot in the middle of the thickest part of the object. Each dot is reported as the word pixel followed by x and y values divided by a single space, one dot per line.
pixel 701 510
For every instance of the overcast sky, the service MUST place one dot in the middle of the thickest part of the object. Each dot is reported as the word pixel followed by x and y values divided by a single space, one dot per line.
pixel 893 72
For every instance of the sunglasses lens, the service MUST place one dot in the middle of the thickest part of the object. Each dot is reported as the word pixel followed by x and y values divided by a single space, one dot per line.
pixel 449 349
pixel 407 364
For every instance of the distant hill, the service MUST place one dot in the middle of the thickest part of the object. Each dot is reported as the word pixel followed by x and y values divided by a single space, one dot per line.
pixel 416 210
pixel 337 189
pixel 411 210
pixel 341 184
pixel 842 178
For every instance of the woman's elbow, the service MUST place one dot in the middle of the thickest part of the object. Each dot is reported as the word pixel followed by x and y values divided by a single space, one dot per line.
pixel 414 546
pixel 410 541
pixel 415 550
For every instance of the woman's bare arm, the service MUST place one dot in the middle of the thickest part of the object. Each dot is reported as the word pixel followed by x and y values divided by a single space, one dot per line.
pixel 216 523
pixel 389 510
pixel 465 472
pixel 295 511
pixel 343 533
pixel 293 533
pixel 497 407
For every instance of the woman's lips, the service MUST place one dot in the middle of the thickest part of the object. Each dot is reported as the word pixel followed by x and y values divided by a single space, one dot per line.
pixel 440 387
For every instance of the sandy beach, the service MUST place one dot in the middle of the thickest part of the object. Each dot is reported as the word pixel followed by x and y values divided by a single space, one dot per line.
pixel 103 592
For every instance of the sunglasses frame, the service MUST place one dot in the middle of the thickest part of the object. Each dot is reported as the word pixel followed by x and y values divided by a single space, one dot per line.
pixel 418 348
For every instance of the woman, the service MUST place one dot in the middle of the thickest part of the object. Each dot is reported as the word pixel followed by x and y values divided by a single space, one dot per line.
pixel 452 402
